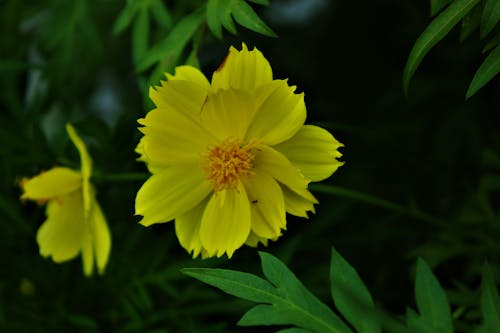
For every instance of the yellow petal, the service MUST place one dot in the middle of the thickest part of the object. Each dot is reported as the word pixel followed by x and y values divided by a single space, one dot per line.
pixel 225 224
pixel 243 69
pixel 314 151
pixel 61 235
pixel 296 204
pixel 53 183
pixel 87 254
pixel 227 113
pixel 171 193
pixel 101 237
pixel 280 113
pixel 253 240
pixel 187 229
pixel 180 96
pixel 190 73
pixel 280 168
pixel 267 206
pixel 173 138
pixel 86 165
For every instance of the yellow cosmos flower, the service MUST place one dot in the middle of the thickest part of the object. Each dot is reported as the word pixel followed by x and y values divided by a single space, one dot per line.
pixel 75 223
pixel 229 158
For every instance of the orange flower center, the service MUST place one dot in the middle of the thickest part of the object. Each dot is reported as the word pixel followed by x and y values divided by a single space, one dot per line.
pixel 229 162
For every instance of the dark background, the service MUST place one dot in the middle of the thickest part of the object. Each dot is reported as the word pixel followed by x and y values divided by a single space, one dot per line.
pixel 433 153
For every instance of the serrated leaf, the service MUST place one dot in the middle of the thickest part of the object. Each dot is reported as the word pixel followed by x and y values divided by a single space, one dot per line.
pixel 161 14
pixel 174 43
pixel 487 71
pixel 470 23
pixel 350 295
pixel 239 284
pixel 437 5
pixel 431 300
pixel 246 16
pixel 125 17
pixel 490 301
pixel 301 307
pixel 490 17
pixel 435 31
pixel 213 18
pixel 140 35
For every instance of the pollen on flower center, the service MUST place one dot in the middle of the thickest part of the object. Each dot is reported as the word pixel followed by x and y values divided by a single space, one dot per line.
pixel 229 162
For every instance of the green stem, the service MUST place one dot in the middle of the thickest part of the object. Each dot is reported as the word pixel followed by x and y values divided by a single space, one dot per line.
pixel 374 201
pixel 120 177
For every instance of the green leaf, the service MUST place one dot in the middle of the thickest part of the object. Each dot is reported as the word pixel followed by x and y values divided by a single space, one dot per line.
pixel 246 16
pixel 470 23
pixel 490 17
pixel 296 304
pixel 125 17
pixel 224 12
pixel 294 330
pixel 490 302
pixel 435 31
pixel 487 71
pixel 437 5
pixel 261 2
pixel 494 41
pixel 286 300
pixel 416 324
pixel 213 17
pixel 350 295
pixel 431 300
pixel 161 14
pixel 171 46
pixel 140 35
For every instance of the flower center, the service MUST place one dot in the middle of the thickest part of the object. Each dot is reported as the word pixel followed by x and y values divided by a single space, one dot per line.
pixel 228 162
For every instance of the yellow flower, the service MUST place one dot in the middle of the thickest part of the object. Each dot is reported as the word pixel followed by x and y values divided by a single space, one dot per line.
pixel 75 223
pixel 229 158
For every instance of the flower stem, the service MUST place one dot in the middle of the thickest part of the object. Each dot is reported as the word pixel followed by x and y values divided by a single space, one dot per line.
pixel 120 177
pixel 378 202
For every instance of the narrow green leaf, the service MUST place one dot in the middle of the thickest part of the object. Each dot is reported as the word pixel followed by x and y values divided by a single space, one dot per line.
pixel 490 17
pixel 161 14
pixel 437 5
pixel 246 16
pixel 487 71
pixel 300 306
pixel 435 31
pixel 213 17
pixel 224 12
pixel 431 300
pixel 140 35
pixel 416 324
pixel 294 330
pixel 494 41
pixel 261 2
pixel 125 17
pixel 239 284
pixel 350 295
pixel 174 43
pixel 470 23
pixel 490 301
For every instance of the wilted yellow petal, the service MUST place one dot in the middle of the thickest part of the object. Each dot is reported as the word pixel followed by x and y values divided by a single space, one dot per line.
pixel 267 205
pixel 187 229
pixel 53 183
pixel 171 193
pixel 190 73
pixel 227 113
pixel 101 237
pixel 86 165
pixel 314 151
pixel 225 224
pixel 243 69
pixel 280 113
pixel 60 236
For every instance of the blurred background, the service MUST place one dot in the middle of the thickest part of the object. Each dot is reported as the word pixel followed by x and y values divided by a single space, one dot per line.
pixel 421 178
